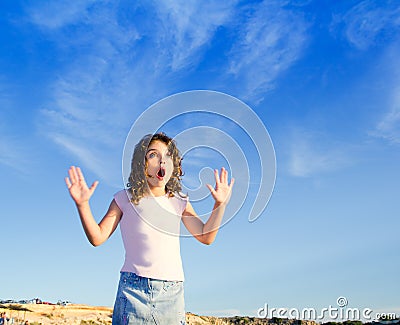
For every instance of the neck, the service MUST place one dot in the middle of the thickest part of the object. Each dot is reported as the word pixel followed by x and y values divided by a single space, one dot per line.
pixel 157 191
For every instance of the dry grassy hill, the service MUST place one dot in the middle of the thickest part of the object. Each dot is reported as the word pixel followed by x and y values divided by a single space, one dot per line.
pixel 53 314
pixel 38 314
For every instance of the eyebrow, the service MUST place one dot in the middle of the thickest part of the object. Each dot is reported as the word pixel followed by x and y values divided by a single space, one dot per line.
pixel 156 150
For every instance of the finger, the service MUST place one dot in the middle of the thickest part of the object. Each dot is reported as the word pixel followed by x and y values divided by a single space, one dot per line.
pixel 216 175
pixel 232 182
pixel 211 189
pixel 72 175
pixel 80 174
pixel 67 181
pixel 224 175
pixel 94 185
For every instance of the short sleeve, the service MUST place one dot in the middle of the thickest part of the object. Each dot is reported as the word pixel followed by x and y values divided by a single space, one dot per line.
pixel 183 200
pixel 121 198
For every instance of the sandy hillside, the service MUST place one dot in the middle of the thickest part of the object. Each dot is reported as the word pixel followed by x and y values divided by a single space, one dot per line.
pixel 77 315
pixel 91 315
pixel 53 314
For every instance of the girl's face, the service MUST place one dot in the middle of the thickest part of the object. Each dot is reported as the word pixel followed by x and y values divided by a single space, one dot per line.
pixel 159 165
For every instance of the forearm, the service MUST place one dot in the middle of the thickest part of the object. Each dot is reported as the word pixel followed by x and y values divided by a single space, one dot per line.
pixel 211 227
pixel 89 224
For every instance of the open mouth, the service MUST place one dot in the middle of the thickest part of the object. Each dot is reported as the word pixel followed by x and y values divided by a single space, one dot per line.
pixel 161 173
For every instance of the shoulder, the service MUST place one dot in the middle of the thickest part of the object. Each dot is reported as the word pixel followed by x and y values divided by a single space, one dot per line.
pixel 122 193
pixel 180 200
pixel 181 196
pixel 122 197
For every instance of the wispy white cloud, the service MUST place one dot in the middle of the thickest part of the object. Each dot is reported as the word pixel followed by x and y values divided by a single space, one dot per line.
pixel 309 156
pixel 92 108
pixel 388 127
pixel 369 21
pixel 12 152
pixel 100 92
pixel 270 41
pixel 57 14
pixel 94 157
pixel 84 26
pixel 118 64
pixel 117 69
pixel 191 26
pixel 387 72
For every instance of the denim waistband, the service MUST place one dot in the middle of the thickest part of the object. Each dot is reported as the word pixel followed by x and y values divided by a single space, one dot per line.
pixel 138 278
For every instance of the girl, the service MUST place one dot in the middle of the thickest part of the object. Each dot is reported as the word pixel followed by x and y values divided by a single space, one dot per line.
pixel 149 212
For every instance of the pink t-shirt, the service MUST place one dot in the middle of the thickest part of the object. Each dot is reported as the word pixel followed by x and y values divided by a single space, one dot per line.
pixel 150 233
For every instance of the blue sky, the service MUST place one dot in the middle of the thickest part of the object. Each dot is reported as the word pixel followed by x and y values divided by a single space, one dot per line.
pixel 323 77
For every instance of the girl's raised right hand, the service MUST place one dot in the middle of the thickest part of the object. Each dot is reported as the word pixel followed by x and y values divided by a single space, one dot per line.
pixel 77 186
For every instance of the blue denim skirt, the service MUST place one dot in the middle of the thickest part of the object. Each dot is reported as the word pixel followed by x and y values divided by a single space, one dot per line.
pixel 142 300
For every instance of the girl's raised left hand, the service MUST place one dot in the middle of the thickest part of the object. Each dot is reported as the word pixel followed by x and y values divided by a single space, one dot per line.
pixel 222 191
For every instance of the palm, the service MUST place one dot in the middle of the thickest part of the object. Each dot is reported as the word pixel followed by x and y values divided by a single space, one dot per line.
pixel 77 186
pixel 222 191
pixel 80 191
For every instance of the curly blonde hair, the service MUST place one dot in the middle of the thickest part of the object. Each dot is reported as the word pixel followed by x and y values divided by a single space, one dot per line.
pixel 137 185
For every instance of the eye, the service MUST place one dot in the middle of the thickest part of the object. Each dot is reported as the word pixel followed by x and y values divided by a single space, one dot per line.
pixel 151 155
